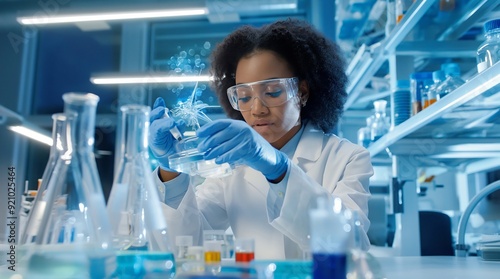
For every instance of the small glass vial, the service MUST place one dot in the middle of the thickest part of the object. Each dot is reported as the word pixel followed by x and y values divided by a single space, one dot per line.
pixel 379 125
pixel 365 133
pixel 419 83
pixel 183 242
pixel 488 51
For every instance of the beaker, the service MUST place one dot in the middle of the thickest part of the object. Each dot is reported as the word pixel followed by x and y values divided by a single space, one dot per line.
pixel 72 235
pixel 139 228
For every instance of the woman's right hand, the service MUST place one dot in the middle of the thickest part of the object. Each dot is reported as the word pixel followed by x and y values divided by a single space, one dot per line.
pixel 161 141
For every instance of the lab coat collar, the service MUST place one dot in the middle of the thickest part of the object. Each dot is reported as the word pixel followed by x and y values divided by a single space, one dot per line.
pixel 310 137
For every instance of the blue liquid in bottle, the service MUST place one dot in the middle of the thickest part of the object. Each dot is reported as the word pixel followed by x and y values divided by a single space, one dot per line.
pixel 331 266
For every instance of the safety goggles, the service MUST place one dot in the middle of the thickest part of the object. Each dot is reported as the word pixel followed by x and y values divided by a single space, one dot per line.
pixel 271 92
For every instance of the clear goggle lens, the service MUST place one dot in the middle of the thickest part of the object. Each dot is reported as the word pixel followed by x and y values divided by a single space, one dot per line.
pixel 271 92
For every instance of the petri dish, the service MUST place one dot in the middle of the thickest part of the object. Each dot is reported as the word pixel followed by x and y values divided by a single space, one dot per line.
pixel 191 162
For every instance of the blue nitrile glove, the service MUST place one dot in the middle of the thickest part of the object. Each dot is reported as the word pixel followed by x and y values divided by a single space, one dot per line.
pixel 161 141
pixel 234 141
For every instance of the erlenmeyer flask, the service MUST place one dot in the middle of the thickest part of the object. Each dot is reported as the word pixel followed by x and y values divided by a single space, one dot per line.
pixel 60 130
pixel 139 228
pixel 73 236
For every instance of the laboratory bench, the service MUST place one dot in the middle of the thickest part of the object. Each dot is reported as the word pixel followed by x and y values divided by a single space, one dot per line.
pixel 407 267
pixel 430 267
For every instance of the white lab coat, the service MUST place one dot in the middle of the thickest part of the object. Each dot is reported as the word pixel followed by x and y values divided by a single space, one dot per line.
pixel 321 164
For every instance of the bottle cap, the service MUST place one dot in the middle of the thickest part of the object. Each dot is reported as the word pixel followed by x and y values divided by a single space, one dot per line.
pixel 421 75
pixel 451 69
pixel 403 84
pixel 491 25
pixel 438 76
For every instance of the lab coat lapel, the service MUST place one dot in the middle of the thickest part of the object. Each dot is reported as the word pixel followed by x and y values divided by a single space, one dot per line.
pixel 304 153
pixel 307 149
pixel 257 180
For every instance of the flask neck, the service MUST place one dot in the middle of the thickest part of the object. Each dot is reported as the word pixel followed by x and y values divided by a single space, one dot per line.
pixel 84 107
pixel 61 131
pixel 134 130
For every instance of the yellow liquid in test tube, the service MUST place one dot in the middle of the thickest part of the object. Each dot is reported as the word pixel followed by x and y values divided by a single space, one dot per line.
pixel 212 257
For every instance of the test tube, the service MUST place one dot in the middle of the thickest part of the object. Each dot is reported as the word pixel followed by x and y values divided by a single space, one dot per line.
pixel 174 131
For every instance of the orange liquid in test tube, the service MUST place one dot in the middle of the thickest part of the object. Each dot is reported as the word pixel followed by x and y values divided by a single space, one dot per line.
pixel 244 257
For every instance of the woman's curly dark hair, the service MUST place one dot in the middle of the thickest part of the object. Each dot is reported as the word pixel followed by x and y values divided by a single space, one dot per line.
pixel 312 57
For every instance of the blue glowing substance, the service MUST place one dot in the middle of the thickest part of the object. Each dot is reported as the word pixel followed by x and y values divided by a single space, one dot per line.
pixel 144 264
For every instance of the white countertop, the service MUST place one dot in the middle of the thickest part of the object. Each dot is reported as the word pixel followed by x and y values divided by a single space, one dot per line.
pixel 439 267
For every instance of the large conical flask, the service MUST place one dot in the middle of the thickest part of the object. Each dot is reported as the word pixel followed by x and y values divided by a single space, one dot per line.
pixel 61 128
pixel 139 229
pixel 72 238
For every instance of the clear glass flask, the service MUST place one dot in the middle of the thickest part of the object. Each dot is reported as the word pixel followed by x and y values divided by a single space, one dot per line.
pixel 488 53
pixel 71 235
pixel 60 130
pixel 139 229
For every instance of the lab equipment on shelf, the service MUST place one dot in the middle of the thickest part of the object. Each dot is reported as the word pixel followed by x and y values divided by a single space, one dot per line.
pixel 365 133
pixel 488 53
pixel 381 123
pixel 432 94
pixel 390 22
pixel 452 80
pixel 401 8
pixel 71 235
pixel 420 83
pixel 401 102
pixel 139 229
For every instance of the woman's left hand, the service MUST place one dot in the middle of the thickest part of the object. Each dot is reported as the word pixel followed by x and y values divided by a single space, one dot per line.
pixel 234 141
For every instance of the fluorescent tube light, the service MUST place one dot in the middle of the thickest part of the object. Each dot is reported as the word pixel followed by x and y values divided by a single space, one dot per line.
pixel 31 134
pixel 292 6
pixel 110 16
pixel 147 79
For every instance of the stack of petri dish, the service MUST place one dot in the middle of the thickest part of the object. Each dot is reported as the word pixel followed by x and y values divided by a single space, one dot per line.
pixel 402 102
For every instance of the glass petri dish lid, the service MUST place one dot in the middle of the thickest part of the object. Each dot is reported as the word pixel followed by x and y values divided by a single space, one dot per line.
pixel 191 162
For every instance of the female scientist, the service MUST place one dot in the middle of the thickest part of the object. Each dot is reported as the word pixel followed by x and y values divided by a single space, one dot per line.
pixel 283 86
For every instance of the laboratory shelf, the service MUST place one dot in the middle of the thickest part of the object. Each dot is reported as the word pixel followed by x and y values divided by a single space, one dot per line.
pixel 369 63
pixel 463 123
pixel 474 11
